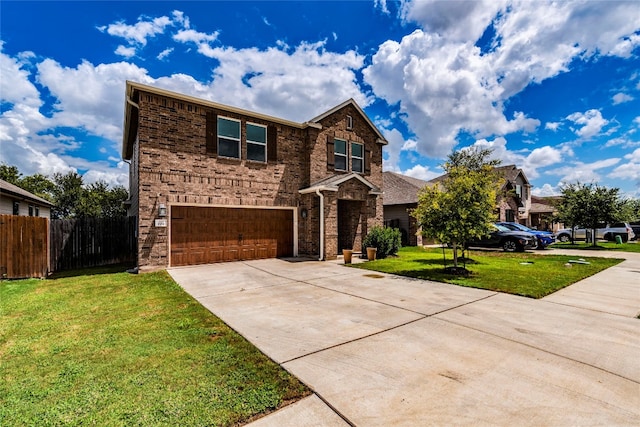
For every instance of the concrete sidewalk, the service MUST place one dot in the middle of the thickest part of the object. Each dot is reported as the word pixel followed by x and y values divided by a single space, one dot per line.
pixel 378 349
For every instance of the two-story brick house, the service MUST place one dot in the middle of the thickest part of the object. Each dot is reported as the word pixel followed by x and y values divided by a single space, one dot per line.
pixel 211 182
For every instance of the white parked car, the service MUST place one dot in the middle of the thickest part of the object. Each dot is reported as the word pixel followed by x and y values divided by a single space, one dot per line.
pixel 606 232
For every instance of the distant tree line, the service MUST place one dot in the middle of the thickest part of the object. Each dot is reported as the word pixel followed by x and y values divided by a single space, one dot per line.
pixel 589 205
pixel 71 197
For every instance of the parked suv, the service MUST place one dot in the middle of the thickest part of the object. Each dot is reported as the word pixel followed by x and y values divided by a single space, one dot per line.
pixel 606 232
pixel 545 238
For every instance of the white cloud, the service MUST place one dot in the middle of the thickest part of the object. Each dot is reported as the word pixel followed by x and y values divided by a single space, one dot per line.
pixel 460 21
pixel 620 97
pixel 446 85
pixel 382 5
pixel 261 80
pixel 164 53
pixel 583 172
pixel 139 32
pixel 546 190
pixel 422 172
pixel 15 87
pixel 127 52
pixel 629 170
pixel 591 123
pixel 552 126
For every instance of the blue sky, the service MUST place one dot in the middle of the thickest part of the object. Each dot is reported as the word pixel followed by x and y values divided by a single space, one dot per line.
pixel 553 87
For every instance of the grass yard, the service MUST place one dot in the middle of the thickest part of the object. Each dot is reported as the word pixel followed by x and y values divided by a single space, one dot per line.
pixel 122 349
pixel 602 246
pixel 497 271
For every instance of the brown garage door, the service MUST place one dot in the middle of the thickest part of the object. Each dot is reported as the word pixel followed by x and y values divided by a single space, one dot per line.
pixel 201 235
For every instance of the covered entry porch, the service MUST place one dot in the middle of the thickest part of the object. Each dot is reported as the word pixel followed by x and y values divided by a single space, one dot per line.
pixel 340 211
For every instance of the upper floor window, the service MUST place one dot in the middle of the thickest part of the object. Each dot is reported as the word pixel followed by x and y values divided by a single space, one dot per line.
pixel 256 142
pixel 349 122
pixel 37 211
pixel 357 157
pixel 228 137
pixel 340 154
pixel 16 208
pixel 30 210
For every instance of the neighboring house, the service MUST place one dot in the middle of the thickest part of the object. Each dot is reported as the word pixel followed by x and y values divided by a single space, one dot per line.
pixel 211 182
pixel 16 201
pixel 514 202
pixel 514 207
pixel 400 197
pixel 542 211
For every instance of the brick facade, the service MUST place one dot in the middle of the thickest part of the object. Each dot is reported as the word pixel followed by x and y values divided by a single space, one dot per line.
pixel 171 164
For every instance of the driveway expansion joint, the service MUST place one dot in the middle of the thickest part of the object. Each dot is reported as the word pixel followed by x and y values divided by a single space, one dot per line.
pixel 562 356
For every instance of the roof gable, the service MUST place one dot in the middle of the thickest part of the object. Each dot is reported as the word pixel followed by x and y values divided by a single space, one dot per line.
pixel 333 184
pixel 354 104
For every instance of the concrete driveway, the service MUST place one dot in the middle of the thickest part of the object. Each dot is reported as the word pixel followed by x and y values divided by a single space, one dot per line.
pixel 378 349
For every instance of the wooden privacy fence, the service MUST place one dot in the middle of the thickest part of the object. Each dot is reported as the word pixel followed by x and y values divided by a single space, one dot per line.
pixel 92 242
pixel 23 246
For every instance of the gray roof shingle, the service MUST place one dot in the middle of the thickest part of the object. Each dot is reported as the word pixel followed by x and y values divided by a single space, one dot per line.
pixel 401 189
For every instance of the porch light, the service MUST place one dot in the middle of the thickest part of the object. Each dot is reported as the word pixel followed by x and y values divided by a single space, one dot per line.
pixel 162 210
pixel 304 213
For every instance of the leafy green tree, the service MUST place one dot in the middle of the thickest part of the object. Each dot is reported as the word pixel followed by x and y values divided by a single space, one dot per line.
pixel 461 206
pixel 589 205
pixel 99 200
pixel 629 210
pixel 11 174
pixel 39 185
pixel 67 195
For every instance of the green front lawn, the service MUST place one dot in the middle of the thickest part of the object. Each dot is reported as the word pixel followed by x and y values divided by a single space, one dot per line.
pixel 122 349
pixel 601 246
pixel 526 274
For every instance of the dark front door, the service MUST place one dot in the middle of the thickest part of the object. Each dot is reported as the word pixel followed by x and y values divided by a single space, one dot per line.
pixel 349 225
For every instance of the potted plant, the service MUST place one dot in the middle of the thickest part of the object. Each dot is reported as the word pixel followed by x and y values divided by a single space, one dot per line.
pixel 347 254
pixel 371 253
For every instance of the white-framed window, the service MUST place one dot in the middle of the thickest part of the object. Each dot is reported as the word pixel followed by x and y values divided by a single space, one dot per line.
pixel 357 157
pixel 519 190
pixel 228 137
pixel 349 122
pixel 340 154
pixel 256 142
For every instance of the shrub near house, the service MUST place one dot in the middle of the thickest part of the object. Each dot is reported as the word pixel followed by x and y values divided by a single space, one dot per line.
pixel 386 241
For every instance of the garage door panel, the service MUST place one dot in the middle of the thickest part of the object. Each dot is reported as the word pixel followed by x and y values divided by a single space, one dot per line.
pixel 202 235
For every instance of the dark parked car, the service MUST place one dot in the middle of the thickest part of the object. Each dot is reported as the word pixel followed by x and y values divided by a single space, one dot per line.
pixel 508 240
pixel 545 238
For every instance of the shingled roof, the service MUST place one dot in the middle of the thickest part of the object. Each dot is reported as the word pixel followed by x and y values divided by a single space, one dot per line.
pixel 15 191
pixel 509 172
pixel 401 189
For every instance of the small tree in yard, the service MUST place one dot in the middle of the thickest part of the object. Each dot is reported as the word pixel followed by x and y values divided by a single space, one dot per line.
pixel 461 206
pixel 588 205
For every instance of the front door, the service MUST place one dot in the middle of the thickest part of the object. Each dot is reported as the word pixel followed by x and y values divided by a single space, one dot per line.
pixel 349 225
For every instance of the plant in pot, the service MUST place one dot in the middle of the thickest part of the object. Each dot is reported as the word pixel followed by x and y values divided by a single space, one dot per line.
pixel 386 241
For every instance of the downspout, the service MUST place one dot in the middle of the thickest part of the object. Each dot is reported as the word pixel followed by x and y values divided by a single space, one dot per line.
pixel 321 257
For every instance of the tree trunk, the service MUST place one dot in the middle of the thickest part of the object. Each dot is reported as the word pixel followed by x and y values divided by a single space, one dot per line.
pixel 455 255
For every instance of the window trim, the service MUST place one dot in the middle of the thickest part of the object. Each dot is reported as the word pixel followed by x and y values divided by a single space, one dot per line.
pixel 349 122
pixel 361 158
pixel 264 144
pixel 345 155
pixel 239 139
